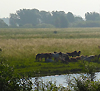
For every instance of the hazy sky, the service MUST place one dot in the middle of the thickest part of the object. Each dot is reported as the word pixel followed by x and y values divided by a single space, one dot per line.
pixel 77 7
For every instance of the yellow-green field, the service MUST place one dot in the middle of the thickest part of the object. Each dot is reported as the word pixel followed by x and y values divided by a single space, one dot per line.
pixel 30 47
pixel 21 45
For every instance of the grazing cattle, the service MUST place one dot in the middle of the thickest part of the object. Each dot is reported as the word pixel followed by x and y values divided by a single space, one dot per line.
pixel 88 58
pixel 94 58
pixel 75 53
pixel 72 53
pixel 47 55
pixel 43 55
pixel 74 59
pixel 78 53
pixel 78 58
pixel 49 60
pixel 83 57
pixel 98 56
pixel 56 56
pixel 55 52
pixel 65 58
pixel 62 57
pixel 39 57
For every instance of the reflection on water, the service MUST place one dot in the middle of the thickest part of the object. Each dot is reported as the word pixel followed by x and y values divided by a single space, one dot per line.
pixel 63 79
pixel 97 76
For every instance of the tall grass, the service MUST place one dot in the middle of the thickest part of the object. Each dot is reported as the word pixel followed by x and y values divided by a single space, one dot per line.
pixel 30 47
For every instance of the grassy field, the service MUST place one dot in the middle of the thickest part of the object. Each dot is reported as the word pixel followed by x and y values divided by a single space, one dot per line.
pixel 21 45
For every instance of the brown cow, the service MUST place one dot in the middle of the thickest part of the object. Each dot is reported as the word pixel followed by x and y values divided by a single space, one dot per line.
pixel 75 59
pixel 64 58
pixel 40 56
pixel 75 53
pixel 56 56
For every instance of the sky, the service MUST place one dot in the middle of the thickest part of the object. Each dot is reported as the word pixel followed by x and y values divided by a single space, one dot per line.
pixel 77 7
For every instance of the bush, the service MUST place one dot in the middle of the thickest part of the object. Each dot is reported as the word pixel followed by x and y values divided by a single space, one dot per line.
pixel 87 85
pixel 11 82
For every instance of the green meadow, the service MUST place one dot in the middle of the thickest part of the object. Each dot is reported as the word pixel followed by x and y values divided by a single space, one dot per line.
pixel 20 46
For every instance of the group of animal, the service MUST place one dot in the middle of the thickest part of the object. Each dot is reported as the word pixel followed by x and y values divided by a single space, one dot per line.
pixel 64 57
pixel 48 56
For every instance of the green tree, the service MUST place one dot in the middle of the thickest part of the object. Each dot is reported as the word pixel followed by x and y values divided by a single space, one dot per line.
pixel 45 17
pixel 78 19
pixel 70 17
pixel 25 16
pixel 3 24
pixel 6 20
pixel 59 19
pixel 13 20
pixel 92 16
pixel 63 22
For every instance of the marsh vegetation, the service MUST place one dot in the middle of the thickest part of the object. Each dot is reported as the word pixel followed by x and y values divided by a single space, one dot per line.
pixel 20 46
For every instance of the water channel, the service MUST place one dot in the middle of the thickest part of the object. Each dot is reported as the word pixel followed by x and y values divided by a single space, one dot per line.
pixel 63 79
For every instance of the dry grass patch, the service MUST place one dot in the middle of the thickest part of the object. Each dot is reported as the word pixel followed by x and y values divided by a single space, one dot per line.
pixel 29 47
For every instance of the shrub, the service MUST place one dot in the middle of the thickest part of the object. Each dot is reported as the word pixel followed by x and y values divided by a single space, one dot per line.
pixel 87 85
pixel 11 82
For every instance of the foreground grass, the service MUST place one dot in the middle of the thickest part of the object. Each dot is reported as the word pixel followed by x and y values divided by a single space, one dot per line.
pixel 21 45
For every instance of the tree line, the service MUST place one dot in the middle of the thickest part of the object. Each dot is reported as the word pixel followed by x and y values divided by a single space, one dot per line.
pixel 33 18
